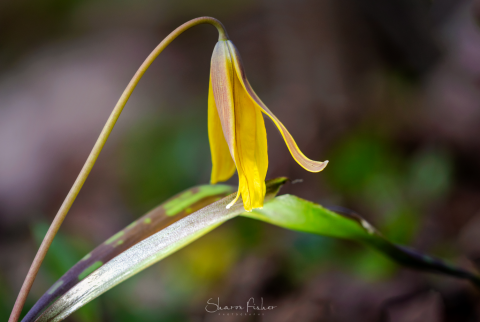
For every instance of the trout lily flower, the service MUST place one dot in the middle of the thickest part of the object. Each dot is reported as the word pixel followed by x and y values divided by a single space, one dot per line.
pixel 236 130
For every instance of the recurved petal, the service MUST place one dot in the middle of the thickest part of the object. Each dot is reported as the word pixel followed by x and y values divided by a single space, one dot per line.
pixel 223 166
pixel 308 164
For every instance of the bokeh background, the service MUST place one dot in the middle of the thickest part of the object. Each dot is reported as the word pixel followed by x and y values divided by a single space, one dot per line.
pixel 388 91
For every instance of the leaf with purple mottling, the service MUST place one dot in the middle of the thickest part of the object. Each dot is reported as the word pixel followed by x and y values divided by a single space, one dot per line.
pixel 162 216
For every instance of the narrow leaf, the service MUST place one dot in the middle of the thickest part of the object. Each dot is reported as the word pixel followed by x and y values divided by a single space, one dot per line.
pixel 149 251
pixel 298 214
pixel 162 216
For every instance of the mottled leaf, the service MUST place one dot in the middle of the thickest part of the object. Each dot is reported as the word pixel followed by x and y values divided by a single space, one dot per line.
pixel 162 216
pixel 103 276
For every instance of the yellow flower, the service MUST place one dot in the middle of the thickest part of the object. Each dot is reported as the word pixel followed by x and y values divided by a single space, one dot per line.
pixel 236 129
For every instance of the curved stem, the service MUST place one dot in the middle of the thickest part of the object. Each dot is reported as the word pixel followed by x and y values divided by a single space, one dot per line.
pixel 87 167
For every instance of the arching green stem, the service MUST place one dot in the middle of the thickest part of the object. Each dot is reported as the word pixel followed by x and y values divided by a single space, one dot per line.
pixel 87 167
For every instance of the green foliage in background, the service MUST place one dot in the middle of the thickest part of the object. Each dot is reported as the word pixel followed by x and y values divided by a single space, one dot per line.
pixel 163 155
pixel 399 186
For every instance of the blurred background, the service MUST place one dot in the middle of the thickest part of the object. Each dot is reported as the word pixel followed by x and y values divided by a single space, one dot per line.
pixel 388 91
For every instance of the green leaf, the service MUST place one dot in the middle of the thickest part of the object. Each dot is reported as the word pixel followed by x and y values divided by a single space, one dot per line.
pixel 298 214
pixel 146 253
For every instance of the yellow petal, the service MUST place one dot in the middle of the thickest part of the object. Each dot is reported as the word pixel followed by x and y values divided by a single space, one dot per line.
pixel 250 149
pixel 310 165
pixel 243 126
pixel 223 166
